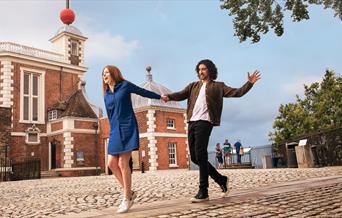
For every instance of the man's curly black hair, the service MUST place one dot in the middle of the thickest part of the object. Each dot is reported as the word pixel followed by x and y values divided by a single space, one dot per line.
pixel 211 68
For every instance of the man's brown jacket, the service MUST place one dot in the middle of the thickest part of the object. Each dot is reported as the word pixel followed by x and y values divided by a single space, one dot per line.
pixel 214 92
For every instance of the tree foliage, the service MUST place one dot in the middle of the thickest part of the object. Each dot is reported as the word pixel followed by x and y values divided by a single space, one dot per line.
pixel 321 108
pixel 255 17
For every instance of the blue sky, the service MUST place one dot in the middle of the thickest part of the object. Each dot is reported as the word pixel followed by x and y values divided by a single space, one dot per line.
pixel 172 36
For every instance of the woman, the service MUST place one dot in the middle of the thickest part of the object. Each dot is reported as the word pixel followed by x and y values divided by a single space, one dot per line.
pixel 219 158
pixel 124 134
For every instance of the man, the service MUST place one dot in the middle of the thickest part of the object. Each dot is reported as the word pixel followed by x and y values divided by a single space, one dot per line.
pixel 227 150
pixel 205 101
pixel 237 146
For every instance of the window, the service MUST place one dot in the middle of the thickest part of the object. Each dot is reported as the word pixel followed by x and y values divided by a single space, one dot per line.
pixel 74 48
pixel 52 115
pixel 172 154
pixel 32 135
pixel 32 96
pixel 170 124
pixel 80 156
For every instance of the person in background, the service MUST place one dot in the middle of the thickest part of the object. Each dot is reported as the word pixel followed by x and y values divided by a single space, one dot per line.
pixel 219 158
pixel 227 150
pixel 237 146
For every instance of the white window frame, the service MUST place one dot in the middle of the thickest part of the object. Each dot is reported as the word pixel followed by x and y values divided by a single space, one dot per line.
pixel 71 46
pixel 52 115
pixel 174 144
pixel 41 95
pixel 170 122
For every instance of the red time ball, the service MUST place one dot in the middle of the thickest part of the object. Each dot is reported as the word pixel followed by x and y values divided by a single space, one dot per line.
pixel 67 16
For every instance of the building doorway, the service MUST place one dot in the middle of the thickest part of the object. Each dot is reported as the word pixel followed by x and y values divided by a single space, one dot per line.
pixel 53 155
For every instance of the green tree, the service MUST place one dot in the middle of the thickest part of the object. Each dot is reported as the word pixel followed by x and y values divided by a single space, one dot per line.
pixel 321 108
pixel 255 17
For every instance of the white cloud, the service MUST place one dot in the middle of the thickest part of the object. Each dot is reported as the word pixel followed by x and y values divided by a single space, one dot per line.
pixel 106 46
pixel 297 87
pixel 33 23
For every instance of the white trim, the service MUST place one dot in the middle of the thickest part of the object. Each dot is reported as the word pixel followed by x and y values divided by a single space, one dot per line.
pixel 162 134
pixel 152 142
pixel 41 96
pixel 75 119
pixel 54 65
pixel 175 148
pixel 68 124
pixel 7 83
pixel 186 141
pixel 23 134
pixel 76 168
pixel 62 131
pixel 159 108
pixel 68 143
pixel 105 142
pixel 173 165
pixel 81 131
pixel 18 134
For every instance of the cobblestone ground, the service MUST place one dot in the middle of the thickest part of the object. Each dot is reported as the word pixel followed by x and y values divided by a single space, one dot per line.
pixel 53 197
pixel 312 202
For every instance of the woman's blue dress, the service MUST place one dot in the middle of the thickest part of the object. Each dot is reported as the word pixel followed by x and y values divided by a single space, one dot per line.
pixel 124 132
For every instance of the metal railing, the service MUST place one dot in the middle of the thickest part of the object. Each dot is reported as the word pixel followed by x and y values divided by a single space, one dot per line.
pixel 5 169
pixel 326 147
pixel 26 169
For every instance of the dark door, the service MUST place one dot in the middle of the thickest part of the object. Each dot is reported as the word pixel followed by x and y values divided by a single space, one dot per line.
pixel 53 155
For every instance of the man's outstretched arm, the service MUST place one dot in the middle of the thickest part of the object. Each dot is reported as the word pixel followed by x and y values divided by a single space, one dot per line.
pixel 177 96
pixel 238 92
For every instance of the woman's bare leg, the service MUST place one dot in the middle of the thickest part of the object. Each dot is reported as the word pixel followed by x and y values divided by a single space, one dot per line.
pixel 113 164
pixel 126 173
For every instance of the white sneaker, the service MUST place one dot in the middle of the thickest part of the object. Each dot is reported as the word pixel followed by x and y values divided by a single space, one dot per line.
pixel 124 206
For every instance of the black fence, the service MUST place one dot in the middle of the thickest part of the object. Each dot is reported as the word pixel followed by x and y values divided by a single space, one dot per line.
pixel 21 170
pixel 326 147
pixel 5 169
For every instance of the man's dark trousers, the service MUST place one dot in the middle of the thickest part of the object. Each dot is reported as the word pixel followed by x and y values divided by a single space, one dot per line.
pixel 198 136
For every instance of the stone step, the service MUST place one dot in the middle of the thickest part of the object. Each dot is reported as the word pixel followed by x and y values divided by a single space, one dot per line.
pixel 238 166
pixel 49 174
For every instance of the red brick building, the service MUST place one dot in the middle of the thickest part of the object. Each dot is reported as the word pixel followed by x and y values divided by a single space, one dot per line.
pixel 162 128
pixel 50 115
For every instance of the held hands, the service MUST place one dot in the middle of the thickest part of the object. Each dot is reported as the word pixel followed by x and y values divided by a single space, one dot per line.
pixel 164 98
pixel 254 77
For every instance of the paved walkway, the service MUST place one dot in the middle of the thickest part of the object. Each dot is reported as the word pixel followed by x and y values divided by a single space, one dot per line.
pixel 99 196
pixel 319 197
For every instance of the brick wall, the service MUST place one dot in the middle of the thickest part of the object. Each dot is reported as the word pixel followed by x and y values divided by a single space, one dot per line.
pixel 163 152
pixel 20 150
pixel 142 121
pixel 161 118
pixel 86 144
pixel 55 90
pixel 84 125
pixel 143 147
pixel 56 126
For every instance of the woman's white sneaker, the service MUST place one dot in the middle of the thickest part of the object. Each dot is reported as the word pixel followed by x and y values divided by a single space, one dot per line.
pixel 124 206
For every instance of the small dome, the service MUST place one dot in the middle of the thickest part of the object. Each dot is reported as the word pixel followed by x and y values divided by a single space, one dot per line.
pixel 69 29
pixel 139 102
